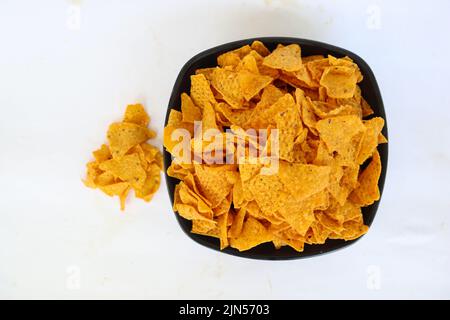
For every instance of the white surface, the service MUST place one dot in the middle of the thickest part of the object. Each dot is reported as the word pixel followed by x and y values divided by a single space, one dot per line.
pixel 61 86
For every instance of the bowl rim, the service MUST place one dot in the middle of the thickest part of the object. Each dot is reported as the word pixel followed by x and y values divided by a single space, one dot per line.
pixel 322 248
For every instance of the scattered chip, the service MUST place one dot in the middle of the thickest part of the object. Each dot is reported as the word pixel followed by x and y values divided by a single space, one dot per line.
pixel 135 113
pixel 122 136
pixel 128 162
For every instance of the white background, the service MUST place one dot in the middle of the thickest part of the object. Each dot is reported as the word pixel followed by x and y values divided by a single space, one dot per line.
pixel 61 84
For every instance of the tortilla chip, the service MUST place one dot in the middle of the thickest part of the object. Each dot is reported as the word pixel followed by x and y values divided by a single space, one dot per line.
pixel 259 47
pixel 117 189
pixel 205 228
pixel 249 64
pixel 304 180
pixel 227 83
pixel 102 154
pixel 128 168
pixel 238 223
pixel 308 116
pixel 342 135
pixel 213 183
pixel 123 136
pixel 253 233
pixel 222 223
pixel 251 84
pixel 286 58
pixel 201 92
pixel 340 81
pixel 190 112
pixel 136 114
pixel 370 138
pixel 232 58
pixel 368 192
pixel 382 139
pixel 289 125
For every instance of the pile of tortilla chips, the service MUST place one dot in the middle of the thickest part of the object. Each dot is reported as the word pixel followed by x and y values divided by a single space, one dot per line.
pixel 127 162
pixel 328 166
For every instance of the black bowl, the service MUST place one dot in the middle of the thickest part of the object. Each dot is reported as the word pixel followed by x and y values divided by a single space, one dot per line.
pixel 370 92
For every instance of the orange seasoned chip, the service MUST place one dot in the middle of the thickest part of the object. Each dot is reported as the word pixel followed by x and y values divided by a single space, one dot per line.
pixel 270 95
pixel 251 84
pixel 253 233
pixel 327 110
pixel 342 135
pixel 268 192
pixel 300 214
pixel 205 228
pixel 237 117
pixel 340 81
pixel 304 180
pixel 117 189
pixel 264 116
pixel 201 92
pixel 382 139
pixel 226 82
pixel 352 229
pixel 175 135
pixel 223 207
pixel 152 154
pixel 135 113
pixel 304 76
pixel 367 192
pixel 188 196
pixel 307 111
pixel 233 58
pixel 190 112
pixel 104 179
pixel 102 154
pixel 328 222
pixel 289 127
pixel 123 136
pixel 127 168
pixel 93 171
pixel 213 183
pixel 366 108
pixel 248 63
pixel 286 58
pixel 151 184
pixel 190 213
pixel 175 118
pixel 222 224
pixel 259 47
pixel 370 138
pixel 347 183
pixel 317 66
pixel 238 223
pixel 207 72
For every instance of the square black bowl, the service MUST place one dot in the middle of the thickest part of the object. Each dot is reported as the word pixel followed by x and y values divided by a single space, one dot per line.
pixel 370 92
